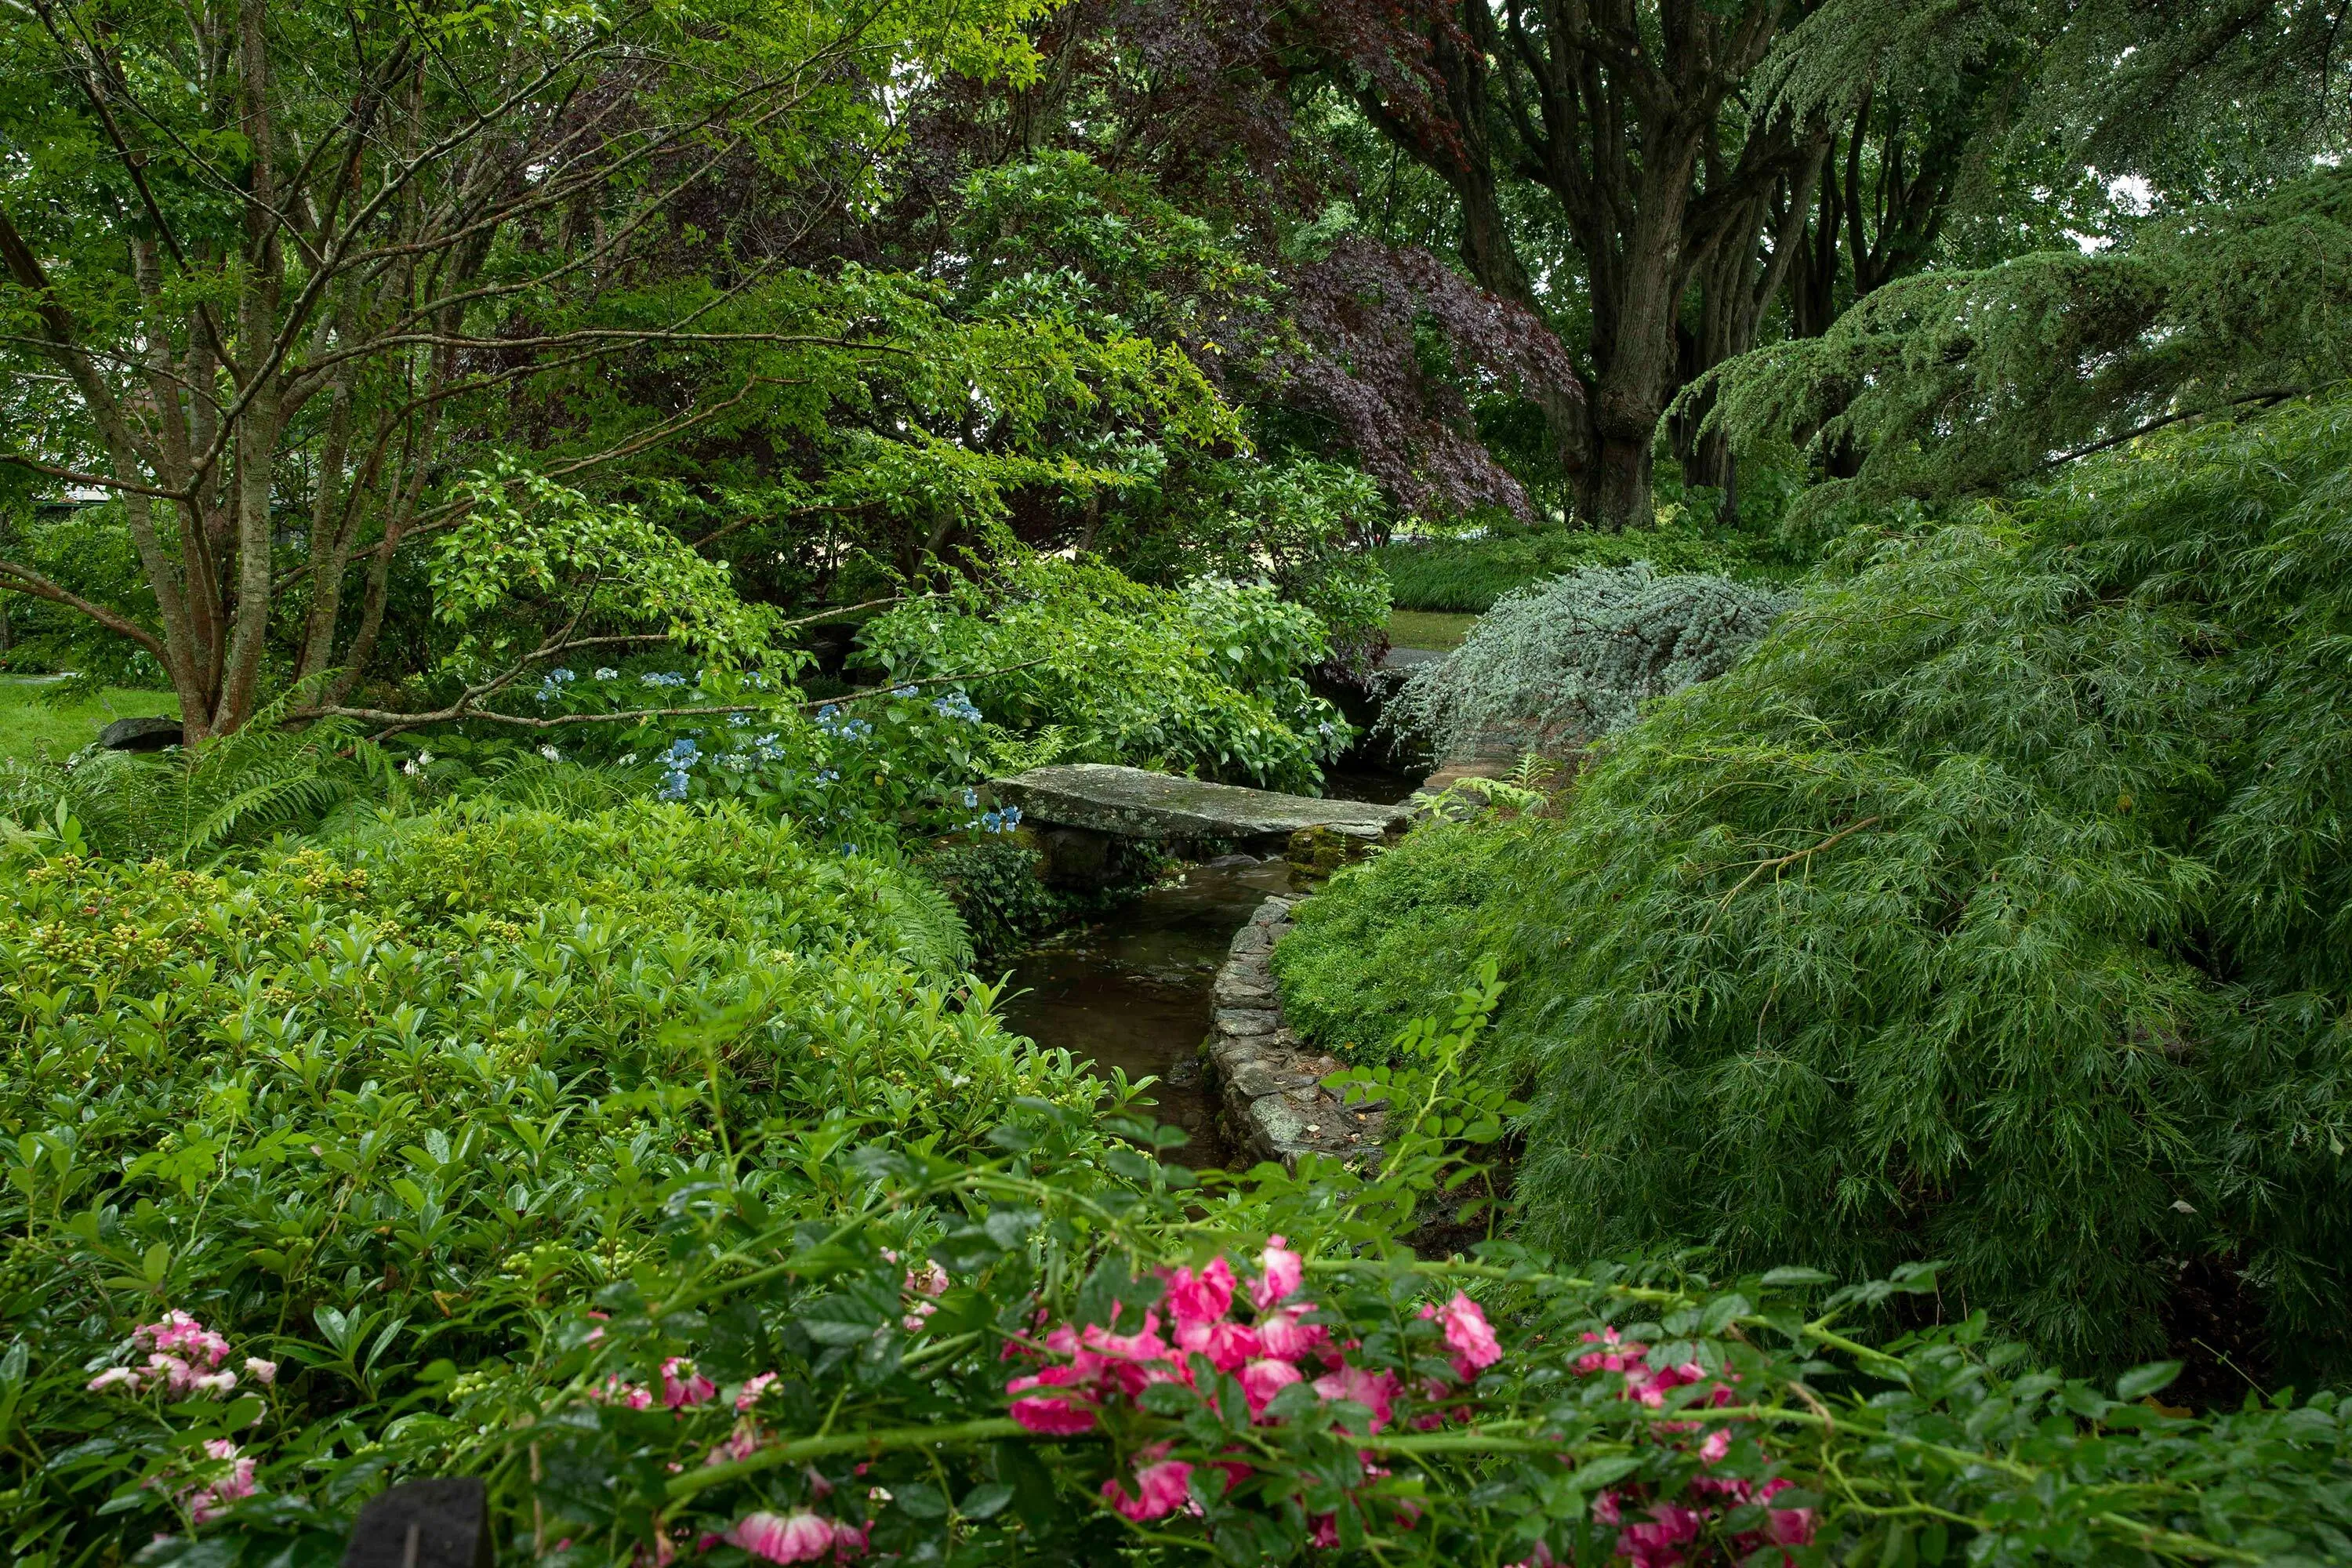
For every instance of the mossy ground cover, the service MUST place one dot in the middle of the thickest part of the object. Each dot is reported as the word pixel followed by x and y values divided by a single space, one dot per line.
pixel 32 726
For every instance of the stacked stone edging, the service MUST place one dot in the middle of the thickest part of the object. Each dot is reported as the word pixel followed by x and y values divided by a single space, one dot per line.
pixel 1275 1107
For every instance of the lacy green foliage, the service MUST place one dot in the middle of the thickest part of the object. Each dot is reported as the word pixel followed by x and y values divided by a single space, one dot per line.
pixel 1992 909
pixel 363 1113
pixel 1572 659
pixel 1205 679
pixel 1961 381
pixel 1470 574
pixel 1366 952
pixel 187 806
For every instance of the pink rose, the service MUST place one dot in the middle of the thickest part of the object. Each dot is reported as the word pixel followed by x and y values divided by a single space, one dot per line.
pixel 1281 1333
pixel 1055 1414
pixel 1474 1345
pixel 682 1386
pixel 797 1537
pixel 1284 1271
pixel 1262 1380
pixel 208 1502
pixel 1376 1392
pixel 750 1394
pixel 1160 1490
pixel 1227 1344
pixel 260 1371
pixel 1197 1298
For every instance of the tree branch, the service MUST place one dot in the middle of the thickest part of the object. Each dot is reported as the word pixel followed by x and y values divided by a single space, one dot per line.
pixel 31 581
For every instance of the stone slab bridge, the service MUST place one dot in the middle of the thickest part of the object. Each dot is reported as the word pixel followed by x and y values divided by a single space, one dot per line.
pixel 1080 810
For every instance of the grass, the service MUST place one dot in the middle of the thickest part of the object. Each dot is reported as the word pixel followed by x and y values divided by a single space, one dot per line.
pixel 1470 574
pixel 1422 629
pixel 31 727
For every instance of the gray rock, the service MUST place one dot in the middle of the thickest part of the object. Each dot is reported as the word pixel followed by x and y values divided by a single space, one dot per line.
pixel 1276 1131
pixel 1246 1021
pixel 1258 1077
pixel 1133 803
pixel 1244 990
pixel 152 734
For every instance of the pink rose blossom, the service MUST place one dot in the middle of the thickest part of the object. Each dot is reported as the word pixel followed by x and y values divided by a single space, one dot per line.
pixel 1282 1333
pixel 797 1537
pixel 1659 1541
pixel 207 1502
pixel 682 1386
pixel 1717 1443
pixel 1464 1324
pixel 1227 1344
pixel 1197 1298
pixel 750 1394
pixel 1055 1414
pixel 618 1390
pixel 1375 1392
pixel 1262 1380
pixel 114 1377
pixel 262 1372
pixel 739 1443
pixel 1160 1490
pixel 178 1334
pixel 1284 1271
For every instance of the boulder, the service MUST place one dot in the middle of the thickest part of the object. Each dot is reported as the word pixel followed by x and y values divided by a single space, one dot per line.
pixel 141 735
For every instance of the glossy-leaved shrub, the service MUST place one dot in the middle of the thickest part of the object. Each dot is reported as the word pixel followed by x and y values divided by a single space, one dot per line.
pixel 364 1111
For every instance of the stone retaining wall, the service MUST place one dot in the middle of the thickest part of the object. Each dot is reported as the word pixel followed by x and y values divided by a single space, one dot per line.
pixel 1275 1105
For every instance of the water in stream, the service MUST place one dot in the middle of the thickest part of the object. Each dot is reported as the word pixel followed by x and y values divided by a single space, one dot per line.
pixel 1132 990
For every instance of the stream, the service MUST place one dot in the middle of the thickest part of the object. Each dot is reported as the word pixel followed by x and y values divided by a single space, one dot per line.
pixel 1131 990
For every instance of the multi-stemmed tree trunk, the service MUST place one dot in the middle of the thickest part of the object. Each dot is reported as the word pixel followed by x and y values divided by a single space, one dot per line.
pixel 313 233
pixel 1620 114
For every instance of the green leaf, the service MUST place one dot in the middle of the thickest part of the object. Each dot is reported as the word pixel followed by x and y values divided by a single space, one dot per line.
pixel 2142 1381
pixel 1782 1278
pixel 985 1500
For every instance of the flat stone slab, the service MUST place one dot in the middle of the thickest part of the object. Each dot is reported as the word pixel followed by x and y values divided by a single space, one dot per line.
pixel 1133 803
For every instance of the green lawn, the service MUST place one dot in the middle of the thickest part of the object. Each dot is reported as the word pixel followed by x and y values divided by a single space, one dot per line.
pixel 1424 629
pixel 31 728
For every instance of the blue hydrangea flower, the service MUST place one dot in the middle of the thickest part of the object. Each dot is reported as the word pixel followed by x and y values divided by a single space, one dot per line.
pixel 683 752
pixel 902 691
pixel 606 672
pixel 956 705
pixel 673 785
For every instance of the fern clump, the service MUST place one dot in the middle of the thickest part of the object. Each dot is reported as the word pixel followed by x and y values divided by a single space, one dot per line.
pixel 1576 658
pixel 1995 909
